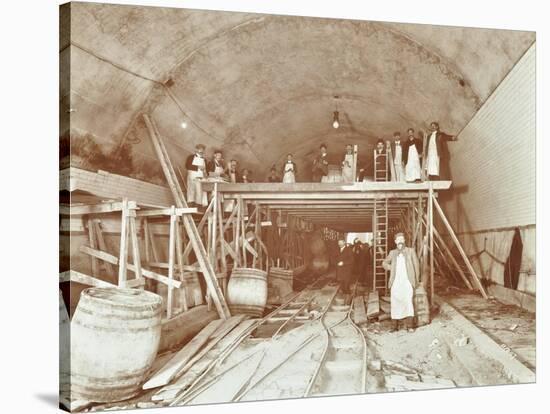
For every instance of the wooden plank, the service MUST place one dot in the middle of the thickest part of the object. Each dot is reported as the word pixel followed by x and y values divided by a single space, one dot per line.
pixel 274 188
pixel 215 338
pixel 179 257
pixel 123 255
pixel 373 304
pixel 460 249
pixel 74 276
pixel 113 260
pixel 190 227
pixel 359 312
pixel 166 212
pixel 171 259
pixel 135 248
pixel 171 369
pixel 95 208
pixel 93 244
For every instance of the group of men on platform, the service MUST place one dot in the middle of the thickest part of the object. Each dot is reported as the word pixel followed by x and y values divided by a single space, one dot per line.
pixel 354 262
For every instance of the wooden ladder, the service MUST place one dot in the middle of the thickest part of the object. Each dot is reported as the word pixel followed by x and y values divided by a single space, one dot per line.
pixel 188 222
pixel 380 238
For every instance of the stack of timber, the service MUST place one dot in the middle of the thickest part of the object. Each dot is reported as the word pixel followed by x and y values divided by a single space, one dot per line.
pixel 196 357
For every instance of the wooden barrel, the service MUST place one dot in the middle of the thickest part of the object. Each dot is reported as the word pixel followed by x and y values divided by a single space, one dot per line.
pixel 247 291
pixel 421 306
pixel 115 335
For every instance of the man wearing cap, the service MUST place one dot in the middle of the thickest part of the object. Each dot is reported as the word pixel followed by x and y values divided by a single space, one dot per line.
pixel 196 167
pixel 344 266
pixel 404 268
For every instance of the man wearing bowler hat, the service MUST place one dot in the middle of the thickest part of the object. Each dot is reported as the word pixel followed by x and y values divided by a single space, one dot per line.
pixel 404 268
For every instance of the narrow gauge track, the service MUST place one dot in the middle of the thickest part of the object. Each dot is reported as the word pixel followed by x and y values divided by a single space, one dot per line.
pixel 323 356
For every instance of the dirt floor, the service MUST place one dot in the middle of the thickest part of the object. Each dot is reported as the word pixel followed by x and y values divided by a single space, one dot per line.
pixel 429 355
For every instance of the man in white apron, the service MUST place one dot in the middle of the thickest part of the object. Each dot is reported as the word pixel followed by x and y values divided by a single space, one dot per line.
pixel 435 150
pixel 398 158
pixel 347 165
pixel 404 268
pixel 289 170
pixel 217 166
pixel 196 168
pixel 412 152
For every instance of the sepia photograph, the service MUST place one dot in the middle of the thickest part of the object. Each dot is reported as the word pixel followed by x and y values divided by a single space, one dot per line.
pixel 258 207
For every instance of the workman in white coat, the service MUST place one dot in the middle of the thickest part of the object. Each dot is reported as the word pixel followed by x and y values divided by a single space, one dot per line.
pixel 404 268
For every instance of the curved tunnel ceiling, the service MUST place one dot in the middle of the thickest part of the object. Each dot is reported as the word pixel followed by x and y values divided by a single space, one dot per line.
pixel 260 86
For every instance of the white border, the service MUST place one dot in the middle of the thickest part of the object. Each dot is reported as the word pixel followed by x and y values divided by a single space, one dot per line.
pixel 28 226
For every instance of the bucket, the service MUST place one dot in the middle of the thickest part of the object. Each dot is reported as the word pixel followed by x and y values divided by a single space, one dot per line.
pixel 115 335
pixel 247 291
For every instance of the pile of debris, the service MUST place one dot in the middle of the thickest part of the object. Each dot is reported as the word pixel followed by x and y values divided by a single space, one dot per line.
pixel 399 377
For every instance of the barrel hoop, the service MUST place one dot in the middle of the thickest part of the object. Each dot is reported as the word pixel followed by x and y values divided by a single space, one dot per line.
pixel 122 306
pixel 248 277
pixel 82 308
pixel 112 378
pixel 247 309
pixel 119 329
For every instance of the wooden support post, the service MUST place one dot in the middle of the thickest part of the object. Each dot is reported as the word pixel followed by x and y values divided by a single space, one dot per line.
pixel 460 249
pixel 222 245
pixel 243 229
pixel 214 227
pixel 146 240
pixel 190 227
pixel 449 254
pixel 123 255
pixel 171 257
pixel 420 233
pixel 354 166
pixel 179 257
pixel 93 245
pixel 135 245
pixel 431 238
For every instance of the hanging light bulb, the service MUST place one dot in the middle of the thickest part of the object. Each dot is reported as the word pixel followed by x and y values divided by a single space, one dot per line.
pixel 335 123
pixel 184 125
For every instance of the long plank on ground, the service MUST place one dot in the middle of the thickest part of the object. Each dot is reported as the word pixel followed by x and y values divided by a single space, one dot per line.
pixel 359 313
pixel 198 364
pixel 178 361
pixel 373 305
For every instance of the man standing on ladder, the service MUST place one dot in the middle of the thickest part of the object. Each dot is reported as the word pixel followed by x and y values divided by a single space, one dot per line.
pixel 404 268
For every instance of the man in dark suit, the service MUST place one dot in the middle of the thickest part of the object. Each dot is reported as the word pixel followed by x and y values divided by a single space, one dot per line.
pixel 380 160
pixel 320 165
pixel 437 153
pixel 344 266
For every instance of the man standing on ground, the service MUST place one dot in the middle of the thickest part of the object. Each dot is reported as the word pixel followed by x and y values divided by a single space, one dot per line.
pixel 404 268
pixel 344 266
